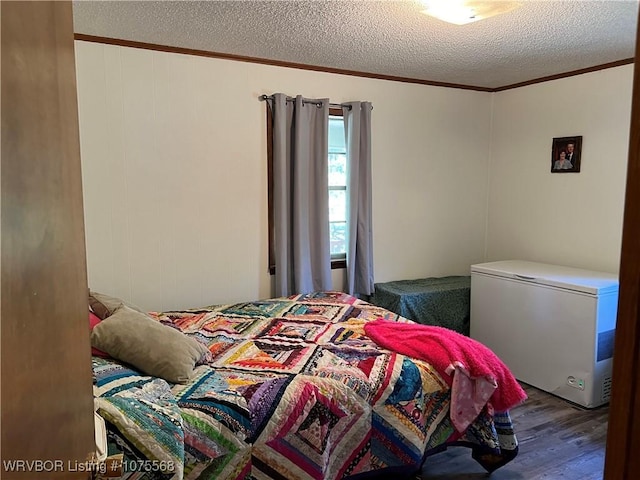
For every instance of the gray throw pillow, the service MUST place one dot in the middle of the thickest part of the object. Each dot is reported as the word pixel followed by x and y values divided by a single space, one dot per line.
pixel 153 348
pixel 104 305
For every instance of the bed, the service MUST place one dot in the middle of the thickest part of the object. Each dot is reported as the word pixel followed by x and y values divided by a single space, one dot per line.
pixel 290 388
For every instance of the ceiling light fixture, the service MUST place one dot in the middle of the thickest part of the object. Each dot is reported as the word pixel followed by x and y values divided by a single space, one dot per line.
pixel 462 12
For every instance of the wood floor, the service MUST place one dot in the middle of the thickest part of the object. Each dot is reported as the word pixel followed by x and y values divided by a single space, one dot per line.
pixel 557 440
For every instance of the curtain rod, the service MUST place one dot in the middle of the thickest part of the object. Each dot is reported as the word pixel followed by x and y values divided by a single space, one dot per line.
pixel 264 98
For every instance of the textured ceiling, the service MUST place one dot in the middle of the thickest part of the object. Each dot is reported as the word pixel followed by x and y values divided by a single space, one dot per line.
pixel 540 39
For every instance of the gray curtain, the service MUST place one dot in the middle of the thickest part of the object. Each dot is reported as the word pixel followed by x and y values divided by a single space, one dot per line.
pixel 357 118
pixel 301 195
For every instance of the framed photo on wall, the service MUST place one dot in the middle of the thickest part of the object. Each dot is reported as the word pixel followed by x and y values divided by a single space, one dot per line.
pixel 565 154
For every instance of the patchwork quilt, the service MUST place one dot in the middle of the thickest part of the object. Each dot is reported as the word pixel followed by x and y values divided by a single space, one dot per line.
pixel 294 389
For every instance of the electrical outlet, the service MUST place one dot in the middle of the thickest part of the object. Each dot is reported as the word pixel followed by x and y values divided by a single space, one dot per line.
pixel 575 382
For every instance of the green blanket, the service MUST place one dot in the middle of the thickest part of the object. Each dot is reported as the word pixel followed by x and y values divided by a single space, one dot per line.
pixel 443 301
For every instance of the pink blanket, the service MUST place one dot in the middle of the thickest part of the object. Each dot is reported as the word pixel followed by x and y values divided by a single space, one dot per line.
pixel 477 376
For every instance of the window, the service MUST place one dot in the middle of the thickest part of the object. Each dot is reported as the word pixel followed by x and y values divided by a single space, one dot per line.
pixel 337 186
pixel 337 190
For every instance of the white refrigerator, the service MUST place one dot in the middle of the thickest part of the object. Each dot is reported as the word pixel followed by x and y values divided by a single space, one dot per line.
pixel 553 326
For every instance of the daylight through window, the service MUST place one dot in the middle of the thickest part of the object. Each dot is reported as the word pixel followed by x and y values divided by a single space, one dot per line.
pixel 337 187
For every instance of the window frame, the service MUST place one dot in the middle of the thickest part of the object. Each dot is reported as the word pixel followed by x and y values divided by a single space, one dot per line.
pixel 336 263
pixel 340 259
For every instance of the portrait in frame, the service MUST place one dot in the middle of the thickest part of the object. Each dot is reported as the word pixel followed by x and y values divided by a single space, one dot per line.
pixel 565 154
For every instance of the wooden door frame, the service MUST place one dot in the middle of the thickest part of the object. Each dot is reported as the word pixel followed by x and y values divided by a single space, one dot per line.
pixel 622 458
pixel 47 400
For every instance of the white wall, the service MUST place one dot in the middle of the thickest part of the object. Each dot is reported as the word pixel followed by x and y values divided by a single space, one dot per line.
pixel 175 181
pixel 570 219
